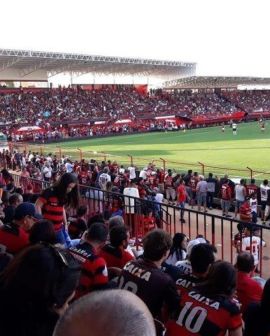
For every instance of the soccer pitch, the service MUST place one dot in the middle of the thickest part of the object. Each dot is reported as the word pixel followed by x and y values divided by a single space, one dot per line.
pixel 249 148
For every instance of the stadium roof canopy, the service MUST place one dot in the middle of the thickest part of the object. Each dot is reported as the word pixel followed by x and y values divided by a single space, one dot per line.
pixel 197 82
pixel 26 65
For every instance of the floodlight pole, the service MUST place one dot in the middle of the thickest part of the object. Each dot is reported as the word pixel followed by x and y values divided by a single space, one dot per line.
pixel 251 172
pixel 60 152
pixel 203 167
pixel 81 154
pixel 131 159
pixel 164 163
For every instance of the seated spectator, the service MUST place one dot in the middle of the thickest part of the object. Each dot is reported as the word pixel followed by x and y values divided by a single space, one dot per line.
pixel 94 270
pixel 36 287
pixel 209 307
pixel 202 256
pixel 14 200
pixel 110 313
pixel 42 231
pixel 77 226
pixel 98 218
pixel 257 315
pixel 116 221
pixel 114 253
pixel 178 249
pixel 248 290
pixel 145 278
pixel 184 266
pixel 14 235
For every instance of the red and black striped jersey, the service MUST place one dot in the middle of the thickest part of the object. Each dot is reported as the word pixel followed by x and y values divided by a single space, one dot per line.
pixel 205 316
pixel 94 274
pixel 52 209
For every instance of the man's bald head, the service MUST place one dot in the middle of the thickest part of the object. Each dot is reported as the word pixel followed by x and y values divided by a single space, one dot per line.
pixel 111 313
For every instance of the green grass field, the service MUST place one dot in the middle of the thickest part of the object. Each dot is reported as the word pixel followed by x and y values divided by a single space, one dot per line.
pixel 249 148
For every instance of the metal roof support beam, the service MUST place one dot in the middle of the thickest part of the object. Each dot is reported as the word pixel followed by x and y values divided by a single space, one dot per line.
pixel 36 67
pixel 10 63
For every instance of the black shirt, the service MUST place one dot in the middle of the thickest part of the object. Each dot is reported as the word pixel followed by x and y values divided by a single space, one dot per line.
pixel 151 284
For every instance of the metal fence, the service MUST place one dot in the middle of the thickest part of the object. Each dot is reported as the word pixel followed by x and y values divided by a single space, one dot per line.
pixel 140 162
pixel 217 229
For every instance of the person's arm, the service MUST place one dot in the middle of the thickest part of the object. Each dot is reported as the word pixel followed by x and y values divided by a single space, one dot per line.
pixel 236 332
pixel 38 205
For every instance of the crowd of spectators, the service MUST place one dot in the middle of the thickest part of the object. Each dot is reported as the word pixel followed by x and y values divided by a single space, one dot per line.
pixel 56 253
pixel 250 101
pixel 55 109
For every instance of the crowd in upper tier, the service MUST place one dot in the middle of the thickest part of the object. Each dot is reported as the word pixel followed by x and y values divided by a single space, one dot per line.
pixel 119 102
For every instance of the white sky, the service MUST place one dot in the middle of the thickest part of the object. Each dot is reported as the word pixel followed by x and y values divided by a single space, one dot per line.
pixel 229 37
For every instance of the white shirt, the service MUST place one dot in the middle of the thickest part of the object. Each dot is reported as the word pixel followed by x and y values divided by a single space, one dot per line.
pixel 129 202
pixel 143 174
pixel 239 192
pixel 255 247
pixel 69 167
pixel 184 266
pixel 159 197
pixel 132 173
pixel 264 191
pixel 253 205
pixel 47 171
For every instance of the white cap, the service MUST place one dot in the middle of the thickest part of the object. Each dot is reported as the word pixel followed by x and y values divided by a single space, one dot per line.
pixel 194 242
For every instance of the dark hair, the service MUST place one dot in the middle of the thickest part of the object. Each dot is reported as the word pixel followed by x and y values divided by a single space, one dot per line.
pixel 245 262
pixel 116 221
pixel 81 211
pixel 221 280
pixel 71 198
pixel 265 182
pixel 155 244
pixel 177 246
pixel 97 232
pixel 265 301
pixel 201 257
pixel 39 278
pixel 42 231
pixel 252 181
pixel 14 198
pixel 117 235
pixel 95 219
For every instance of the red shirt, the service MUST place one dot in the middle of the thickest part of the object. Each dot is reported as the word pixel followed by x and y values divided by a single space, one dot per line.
pixel 251 189
pixel 14 238
pixel 226 192
pixel 181 193
pixel 52 209
pixel 94 273
pixel 248 290
pixel 115 257
pixel 245 212
pixel 203 316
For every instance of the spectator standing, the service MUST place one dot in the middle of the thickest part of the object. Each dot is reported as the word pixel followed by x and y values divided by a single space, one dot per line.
pixel 226 197
pixel 264 187
pixel 211 189
pixel 240 195
pixel 181 199
pixel 201 189
pixel 52 201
